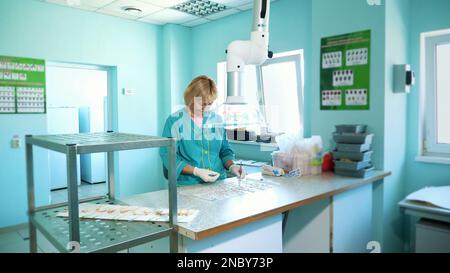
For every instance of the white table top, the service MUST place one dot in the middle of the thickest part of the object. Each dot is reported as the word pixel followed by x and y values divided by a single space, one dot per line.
pixel 283 195
pixel 425 210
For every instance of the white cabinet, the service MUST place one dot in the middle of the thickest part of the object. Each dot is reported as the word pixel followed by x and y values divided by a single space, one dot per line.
pixel 307 229
pixel 340 224
pixel 262 236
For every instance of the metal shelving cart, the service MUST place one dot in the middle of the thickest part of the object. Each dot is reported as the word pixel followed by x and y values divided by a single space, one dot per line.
pixel 96 235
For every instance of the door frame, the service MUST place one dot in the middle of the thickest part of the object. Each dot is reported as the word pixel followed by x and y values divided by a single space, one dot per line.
pixel 112 105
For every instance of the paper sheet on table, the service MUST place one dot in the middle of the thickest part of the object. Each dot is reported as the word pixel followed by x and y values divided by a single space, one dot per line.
pixel 130 213
pixel 437 196
pixel 251 163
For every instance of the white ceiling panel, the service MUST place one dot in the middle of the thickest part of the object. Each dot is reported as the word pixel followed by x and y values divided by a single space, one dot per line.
pixel 164 3
pixel 118 14
pixel 119 5
pixel 72 4
pixel 245 7
pixel 196 22
pixel 151 21
pixel 249 5
pixel 170 16
pixel 233 3
pixel 158 12
pixel 96 3
pixel 221 14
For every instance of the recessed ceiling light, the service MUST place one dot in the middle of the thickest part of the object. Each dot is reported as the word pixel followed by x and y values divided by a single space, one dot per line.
pixel 132 10
pixel 200 8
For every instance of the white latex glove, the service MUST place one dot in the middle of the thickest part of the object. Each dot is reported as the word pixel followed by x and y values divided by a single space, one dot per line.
pixel 206 175
pixel 239 171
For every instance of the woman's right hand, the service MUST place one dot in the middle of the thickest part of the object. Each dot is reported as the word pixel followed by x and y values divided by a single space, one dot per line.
pixel 206 175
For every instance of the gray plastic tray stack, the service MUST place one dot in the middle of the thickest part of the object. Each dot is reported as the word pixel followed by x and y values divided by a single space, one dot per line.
pixel 353 154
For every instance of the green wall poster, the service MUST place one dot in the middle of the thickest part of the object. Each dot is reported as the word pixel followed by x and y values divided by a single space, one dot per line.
pixel 22 85
pixel 345 72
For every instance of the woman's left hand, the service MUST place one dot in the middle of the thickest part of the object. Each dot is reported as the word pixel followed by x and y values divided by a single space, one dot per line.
pixel 239 171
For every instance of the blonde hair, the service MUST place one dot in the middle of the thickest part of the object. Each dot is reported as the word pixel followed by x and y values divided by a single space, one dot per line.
pixel 203 87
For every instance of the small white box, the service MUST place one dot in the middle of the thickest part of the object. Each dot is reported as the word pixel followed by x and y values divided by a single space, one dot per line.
pixel 128 92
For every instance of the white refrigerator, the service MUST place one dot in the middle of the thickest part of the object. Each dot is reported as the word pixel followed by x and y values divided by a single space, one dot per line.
pixel 93 166
pixel 61 120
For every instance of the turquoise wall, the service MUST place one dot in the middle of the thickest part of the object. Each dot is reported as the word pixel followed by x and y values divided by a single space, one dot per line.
pixel 13 192
pixel 425 16
pixel 328 20
pixel 177 67
pixel 395 116
pixel 54 33
pixel 159 62
pixel 361 17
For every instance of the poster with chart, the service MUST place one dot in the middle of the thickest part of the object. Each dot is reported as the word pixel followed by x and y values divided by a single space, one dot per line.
pixel 22 86
pixel 345 72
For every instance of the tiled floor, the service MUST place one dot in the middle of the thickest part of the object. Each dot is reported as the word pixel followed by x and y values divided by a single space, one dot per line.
pixel 84 190
pixel 12 242
pixel 17 241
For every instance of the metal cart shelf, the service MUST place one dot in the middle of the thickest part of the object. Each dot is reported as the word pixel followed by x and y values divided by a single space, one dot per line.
pixel 96 235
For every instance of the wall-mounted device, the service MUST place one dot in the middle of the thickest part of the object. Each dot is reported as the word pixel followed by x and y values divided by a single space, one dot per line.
pixel 15 142
pixel 128 91
pixel 404 78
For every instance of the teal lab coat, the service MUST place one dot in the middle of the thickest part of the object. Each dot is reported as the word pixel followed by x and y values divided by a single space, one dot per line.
pixel 205 148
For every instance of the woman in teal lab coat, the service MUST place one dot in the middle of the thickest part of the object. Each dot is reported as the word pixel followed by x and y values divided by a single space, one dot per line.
pixel 203 152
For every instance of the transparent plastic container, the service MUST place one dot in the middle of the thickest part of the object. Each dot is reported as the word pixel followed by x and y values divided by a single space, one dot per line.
pixel 303 162
pixel 316 170
pixel 282 160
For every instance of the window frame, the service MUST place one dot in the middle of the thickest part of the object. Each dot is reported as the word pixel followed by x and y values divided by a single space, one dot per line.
pixel 428 146
pixel 295 55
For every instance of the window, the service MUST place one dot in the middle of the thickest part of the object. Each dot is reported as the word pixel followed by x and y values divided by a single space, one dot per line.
pixel 443 92
pixel 436 93
pixel 280 100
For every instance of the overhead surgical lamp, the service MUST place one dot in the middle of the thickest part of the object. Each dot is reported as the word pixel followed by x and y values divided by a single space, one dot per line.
pixel 252 52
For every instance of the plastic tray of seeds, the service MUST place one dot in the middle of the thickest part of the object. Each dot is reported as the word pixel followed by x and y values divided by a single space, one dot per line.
pixel 351 138
pixel 353 148
pixel 364 173
pixel 365 156
pixel 351 128
pixel 350 165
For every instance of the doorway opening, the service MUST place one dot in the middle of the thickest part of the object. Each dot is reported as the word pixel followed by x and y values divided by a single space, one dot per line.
pixel 78 99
